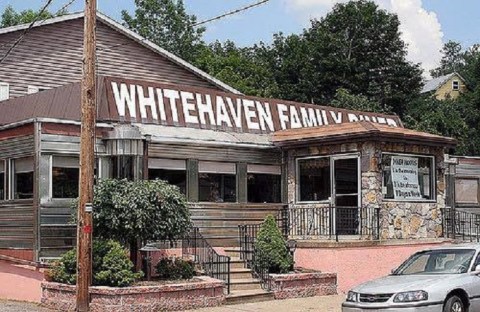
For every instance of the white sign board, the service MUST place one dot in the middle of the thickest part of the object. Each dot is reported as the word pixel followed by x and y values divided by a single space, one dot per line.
pixel 405 178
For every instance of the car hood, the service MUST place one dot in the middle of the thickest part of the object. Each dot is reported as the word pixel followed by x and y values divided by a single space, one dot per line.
pixel 399 283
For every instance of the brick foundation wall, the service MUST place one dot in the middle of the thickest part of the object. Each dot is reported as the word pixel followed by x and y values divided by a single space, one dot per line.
pixel 22 254
pixel 207 292
pixel 301 285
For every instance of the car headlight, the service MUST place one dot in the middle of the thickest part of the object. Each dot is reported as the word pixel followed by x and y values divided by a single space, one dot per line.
pixel 411 296
pixel 352 296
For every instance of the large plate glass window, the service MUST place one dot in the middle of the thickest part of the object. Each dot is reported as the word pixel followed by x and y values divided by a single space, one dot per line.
pixel 408 177
pixel 65 172
pixel 23 178
pixel 174 171
pixel 2 180
pixel 217 182
pixel 314 179
pixel 264 184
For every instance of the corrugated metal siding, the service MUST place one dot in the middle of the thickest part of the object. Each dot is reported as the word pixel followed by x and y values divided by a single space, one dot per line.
pixel 17 147
pixel 51 55
pixel 16 224
pixel 215 153
pixel 468 169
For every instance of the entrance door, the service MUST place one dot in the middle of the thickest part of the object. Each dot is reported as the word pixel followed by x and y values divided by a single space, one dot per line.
pixel 346 191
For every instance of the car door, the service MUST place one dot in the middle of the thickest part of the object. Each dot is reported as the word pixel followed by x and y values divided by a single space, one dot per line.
pixel 472 285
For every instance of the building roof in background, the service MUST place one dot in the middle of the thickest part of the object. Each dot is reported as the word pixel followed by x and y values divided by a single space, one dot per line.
pixel 435 83
pixel 132 35
pixel 357 130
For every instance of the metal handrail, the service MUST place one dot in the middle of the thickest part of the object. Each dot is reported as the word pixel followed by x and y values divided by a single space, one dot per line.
pixel 461 224
pixel 210 261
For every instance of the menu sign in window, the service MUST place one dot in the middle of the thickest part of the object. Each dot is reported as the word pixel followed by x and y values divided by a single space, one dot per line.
pixel 405 178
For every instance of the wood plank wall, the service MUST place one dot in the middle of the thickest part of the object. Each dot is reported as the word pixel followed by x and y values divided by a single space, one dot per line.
pixel 51 56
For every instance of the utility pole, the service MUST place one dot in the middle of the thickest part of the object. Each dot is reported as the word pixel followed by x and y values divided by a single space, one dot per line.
pixel 87 159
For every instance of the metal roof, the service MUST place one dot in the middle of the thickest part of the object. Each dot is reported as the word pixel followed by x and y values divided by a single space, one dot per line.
pixel 139 39
pixel 435 83
pixel 166 134
pixel 356 130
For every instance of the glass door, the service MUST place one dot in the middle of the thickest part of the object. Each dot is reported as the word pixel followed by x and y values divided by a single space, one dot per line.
pixel 346 194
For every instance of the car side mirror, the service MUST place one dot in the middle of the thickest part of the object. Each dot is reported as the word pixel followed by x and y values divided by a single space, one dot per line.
pixel 393 271
pixel 477 268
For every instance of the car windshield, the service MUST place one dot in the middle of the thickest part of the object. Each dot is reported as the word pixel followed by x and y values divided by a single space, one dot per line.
pixel 440 261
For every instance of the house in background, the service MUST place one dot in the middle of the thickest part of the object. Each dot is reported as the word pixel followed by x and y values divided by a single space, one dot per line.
pixel 445 87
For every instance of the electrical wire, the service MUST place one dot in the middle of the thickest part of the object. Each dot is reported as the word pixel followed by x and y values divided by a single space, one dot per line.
pixel 194 25
pixel 231 13
pixel 25 32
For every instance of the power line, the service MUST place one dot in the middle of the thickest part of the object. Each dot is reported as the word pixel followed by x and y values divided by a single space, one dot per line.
pixel 194 25
pixel 65 7
pixel 26 31
pixel 231 13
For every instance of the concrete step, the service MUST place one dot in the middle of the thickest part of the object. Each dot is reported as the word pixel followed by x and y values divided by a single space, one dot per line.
pixel 236 263
pixel 248 296
pixel 245 284
pixel 240 273
pixel 232 251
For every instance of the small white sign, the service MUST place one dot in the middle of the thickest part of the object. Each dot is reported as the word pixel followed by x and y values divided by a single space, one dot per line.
pixel 405 178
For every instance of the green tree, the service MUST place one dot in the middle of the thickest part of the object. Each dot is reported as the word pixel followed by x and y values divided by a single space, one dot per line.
pixel 10 17
pixel 356 46
pixel 271 250
pixel 452 59
pixel 167 24
pixel 241 68
pixel 137 211
pixel 344 99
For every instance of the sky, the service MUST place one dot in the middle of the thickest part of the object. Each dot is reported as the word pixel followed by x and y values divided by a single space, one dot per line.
pixel 425 24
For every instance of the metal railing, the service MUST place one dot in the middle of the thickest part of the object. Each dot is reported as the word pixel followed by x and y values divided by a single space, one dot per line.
pixel 461 224
pixel 213 264
pixel 331 222
pixel 247 236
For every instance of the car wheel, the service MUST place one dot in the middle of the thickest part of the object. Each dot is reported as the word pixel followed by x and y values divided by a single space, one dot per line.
pixel 454 304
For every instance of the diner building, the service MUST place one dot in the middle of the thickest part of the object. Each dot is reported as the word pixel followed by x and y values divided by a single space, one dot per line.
pixel 337 175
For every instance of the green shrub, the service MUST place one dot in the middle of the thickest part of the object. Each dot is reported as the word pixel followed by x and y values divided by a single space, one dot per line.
pixel 271 250
pixel 111 266
pixel 175 269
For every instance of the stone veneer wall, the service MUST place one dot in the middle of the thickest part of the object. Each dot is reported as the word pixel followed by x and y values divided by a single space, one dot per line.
pixel 398 220
pixel 207 292
pixel 301 285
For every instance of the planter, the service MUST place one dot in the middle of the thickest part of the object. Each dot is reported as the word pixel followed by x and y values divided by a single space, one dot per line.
pixel 207 292
pixel 300 285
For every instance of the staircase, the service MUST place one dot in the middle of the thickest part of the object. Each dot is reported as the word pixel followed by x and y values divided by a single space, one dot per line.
pixel 243 287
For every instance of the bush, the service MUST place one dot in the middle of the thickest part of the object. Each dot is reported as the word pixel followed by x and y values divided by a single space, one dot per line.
pixel 175 269
pixel 111 266
pixel 271 250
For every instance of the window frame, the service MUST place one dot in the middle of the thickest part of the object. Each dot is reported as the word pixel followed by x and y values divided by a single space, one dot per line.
pixel 223 171
pixel 7 86
pixel 5 180
pixel 457 88
pixel 433 179
pixel 11 179
pixel 332 159
pixel 50 178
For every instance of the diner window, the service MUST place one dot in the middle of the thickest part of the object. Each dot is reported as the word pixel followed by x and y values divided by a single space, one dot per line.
pixel 23 178
pixel 2 180
pixel 65 177
pixel 173 171
pixel 314 179
pixel 408 177
pixel 264 184
pixel 217 182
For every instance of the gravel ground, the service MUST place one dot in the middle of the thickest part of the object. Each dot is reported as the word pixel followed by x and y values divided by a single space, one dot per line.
pixel 20 306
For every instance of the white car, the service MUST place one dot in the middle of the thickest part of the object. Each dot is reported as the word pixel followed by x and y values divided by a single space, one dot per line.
pixel 445 279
